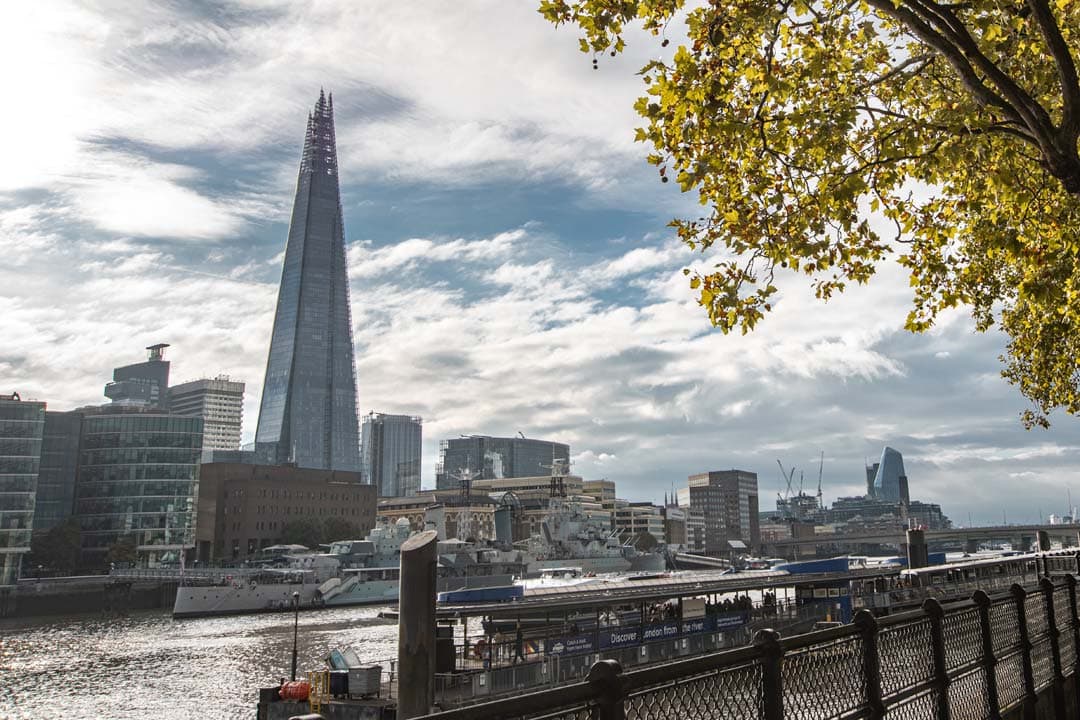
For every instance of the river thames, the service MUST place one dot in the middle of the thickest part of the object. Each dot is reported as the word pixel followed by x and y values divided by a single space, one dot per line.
pixel 148 665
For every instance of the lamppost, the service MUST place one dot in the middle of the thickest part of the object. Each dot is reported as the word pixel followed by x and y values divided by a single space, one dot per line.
pixel 295 628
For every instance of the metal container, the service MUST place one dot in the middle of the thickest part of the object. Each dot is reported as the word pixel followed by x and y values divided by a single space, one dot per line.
pixel 365 680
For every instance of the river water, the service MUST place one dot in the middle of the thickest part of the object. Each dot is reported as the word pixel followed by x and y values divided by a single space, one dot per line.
pixel 148 665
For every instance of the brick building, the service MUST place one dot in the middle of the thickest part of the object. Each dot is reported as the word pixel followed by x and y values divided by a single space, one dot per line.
pixel 243 508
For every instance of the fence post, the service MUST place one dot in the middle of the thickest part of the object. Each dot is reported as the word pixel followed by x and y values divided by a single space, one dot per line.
pixel 1047 586
pixel 1074 620
pixel 868 627
pixel 933 610
pixel 772 685
pixel 982 600
pixel 1030 698
pixel 605 677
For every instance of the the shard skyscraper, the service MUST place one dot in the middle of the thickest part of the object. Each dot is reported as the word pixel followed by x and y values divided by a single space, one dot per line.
pixel 308 410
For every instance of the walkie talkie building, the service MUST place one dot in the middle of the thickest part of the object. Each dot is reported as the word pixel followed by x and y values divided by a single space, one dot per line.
pixel 308 411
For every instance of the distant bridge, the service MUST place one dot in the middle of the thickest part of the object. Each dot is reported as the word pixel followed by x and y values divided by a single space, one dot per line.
pixel 1015 534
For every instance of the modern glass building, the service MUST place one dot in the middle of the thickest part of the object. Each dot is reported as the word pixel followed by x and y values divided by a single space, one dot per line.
pixel 21 427
pixel 138 482
pixel 307 415
pixel 59 465
pixel 890 481
pixel 142 384
pixel 491 458
pixel 390 451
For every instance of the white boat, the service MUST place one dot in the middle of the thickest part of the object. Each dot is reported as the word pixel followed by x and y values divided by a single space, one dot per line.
pixel 354 572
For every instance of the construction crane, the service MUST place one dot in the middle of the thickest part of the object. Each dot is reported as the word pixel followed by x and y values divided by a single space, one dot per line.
pixel 788 477
pixel 821 466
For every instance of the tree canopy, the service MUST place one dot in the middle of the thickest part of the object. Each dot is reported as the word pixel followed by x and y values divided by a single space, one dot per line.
pixel 827 136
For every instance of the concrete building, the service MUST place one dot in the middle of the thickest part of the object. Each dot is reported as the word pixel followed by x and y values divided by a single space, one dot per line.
pixel 523 487
pixel 243 508
pixel 137 482
pixel 465 519
pixel 603 491
pixel 143 384
pixel 635 518
pixel 307 414
pixel 390 450
pixel 59 469
pixel 491 458
pixel 220 404
pixel 675 525
pixel 695 530
pixel 22 425
pixel 729 501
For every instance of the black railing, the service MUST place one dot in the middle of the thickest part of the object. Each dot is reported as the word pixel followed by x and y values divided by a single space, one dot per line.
pixel 976 658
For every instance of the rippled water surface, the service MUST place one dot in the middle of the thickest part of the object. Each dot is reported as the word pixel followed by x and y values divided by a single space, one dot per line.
pixel 150 666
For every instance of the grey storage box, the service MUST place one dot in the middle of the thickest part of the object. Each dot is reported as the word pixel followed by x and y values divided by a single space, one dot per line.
pixel 365 680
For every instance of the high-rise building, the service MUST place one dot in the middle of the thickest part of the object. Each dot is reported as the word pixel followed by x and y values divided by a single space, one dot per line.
pixel 220 404
pixel 890 481
pixel 491 458
pixel 142 384
pixel 59 465
pixel 22 424
pixel 390 453
pixel 635 518
pixel 308 411
pixel 729 501
pixel 137 483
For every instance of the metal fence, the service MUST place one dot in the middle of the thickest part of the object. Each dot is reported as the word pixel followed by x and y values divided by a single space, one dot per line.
pixel 971 659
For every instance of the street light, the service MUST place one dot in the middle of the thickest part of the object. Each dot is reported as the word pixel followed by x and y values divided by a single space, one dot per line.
pixel 295 627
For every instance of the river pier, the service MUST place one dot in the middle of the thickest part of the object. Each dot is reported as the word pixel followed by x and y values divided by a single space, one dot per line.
pixel 982 639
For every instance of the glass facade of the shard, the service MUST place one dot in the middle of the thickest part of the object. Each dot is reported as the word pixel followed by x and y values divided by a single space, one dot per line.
pixel 308 410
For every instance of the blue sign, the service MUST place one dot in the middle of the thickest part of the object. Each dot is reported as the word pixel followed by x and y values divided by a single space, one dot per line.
pixel 694 626
pixel 573 645
pixel 729 621
pixel 618 637
pixel 659 631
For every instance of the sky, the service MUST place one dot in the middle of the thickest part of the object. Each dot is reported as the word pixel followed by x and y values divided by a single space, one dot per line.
pixel 510 262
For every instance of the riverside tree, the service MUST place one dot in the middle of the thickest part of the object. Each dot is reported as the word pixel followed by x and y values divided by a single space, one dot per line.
pixel 825 137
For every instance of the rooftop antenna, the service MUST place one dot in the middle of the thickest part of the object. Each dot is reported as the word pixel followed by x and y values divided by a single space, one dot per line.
pixel 521 434
pixel 1068 494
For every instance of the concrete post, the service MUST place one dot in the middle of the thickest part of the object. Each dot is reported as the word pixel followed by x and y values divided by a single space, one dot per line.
pixel 1043 538
pixel 916 549
pixel 416 625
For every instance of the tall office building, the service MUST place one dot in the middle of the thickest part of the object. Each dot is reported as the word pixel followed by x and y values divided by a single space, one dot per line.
pixel 491 458
pixel 890 481
pixel 308 411
pixel 142 384
pixel 729 501
pixel 138 481
pixel 59 465
pixel 390 453
pixel 22 424
pixel 219 402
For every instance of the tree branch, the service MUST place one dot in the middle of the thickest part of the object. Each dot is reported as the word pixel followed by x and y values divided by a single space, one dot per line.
pixel 1066 67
